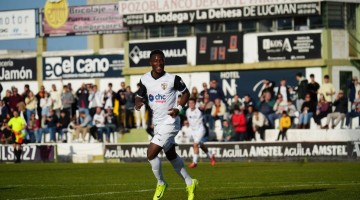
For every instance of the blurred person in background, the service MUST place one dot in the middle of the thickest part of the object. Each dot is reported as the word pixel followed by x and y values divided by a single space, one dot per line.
pixel 109 97
pixel 83 127
pixel 228 132
pixel 301 90
pixel 268 87
pixel 46 104
pixel 206 107
pixel 33 129
pixel 31 104
pixel 313 88
pixel 39 96
pixel 308 108
pixel 25 92
pixel 95 100
pixel 354 86
pixel 140 114
pixel 62 125
pixel 55 96
pixel 218 111
pixel 328 90
pixel 202 92
pixel 51 122
pixel 259 123
pixel 279 106
pixel 110 121
pixel 129 108
pixel 197 131
pixel 5 132
pixel 1 89
pixel 283 89
pixel 285 124
pixel 83 99
pixel 216 92
pixel 4 110
pixel 266 104
pixel 17 125
pixel 6 98
pixel 99 126
pixel 249 129
pixel 67 99
pixel 341 109
pixel 195 94
pixel 238 120
pixel 355 112
pixel 248 101
pixel 235 103
pixel 184 135
pixel 14 99
pixel 322 109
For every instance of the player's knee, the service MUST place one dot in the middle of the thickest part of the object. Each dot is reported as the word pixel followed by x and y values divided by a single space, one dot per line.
pixel 171 155
pixel 150 156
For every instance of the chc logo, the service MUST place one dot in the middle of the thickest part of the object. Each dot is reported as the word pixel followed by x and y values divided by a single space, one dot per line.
pixel 158 98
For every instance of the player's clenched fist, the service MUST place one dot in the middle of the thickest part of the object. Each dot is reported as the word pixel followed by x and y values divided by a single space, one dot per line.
pixel 173 112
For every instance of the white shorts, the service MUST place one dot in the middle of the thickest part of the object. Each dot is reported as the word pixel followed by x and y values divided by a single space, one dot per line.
pixel 164 136
pixel 197 135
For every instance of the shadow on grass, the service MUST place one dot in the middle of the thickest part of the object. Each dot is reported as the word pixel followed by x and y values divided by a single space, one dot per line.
pixel 280 193
pixel 7 188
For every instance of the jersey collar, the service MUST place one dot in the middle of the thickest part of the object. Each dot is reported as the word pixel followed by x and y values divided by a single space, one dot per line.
pixel 159 76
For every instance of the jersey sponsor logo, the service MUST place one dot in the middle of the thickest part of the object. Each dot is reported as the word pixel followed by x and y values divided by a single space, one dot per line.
pixel 159 98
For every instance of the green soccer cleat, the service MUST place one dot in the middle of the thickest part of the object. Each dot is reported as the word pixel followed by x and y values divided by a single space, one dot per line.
pixel 159 192
pixel 191 189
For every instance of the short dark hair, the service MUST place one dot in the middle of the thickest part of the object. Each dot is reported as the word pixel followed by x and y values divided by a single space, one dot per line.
pixel 192 99
pixel 155 52
pixel 326 76
pixel 312 76
pixel 299 74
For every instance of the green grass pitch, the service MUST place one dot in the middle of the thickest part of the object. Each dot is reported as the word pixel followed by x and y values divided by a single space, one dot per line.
pixel 237 180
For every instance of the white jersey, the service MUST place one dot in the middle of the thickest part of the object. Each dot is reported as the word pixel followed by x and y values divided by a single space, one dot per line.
pixel 195 120
pixel 161 94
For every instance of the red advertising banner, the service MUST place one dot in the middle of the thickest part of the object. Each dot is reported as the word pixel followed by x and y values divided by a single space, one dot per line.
pixel 88 20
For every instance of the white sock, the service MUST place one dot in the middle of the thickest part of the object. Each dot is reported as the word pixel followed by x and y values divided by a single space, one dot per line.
pixel 209 154
pixel 195 158
pixel 178 165
pixel 157 170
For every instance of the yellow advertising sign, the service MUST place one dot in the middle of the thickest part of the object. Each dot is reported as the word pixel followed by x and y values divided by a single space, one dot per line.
pixel 56 12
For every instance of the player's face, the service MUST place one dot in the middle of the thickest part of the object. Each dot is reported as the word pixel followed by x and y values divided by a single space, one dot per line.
pixel 157 63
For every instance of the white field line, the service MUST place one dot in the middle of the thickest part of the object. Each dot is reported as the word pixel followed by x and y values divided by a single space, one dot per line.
pixel 151 190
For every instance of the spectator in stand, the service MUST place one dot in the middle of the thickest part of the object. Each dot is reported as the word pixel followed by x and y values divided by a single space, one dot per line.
pixel 39 96
pixel 74 104
pixel 99 123
pixel 6 98
pixel 268 87
pixel 67 99
pixel 1 89
pixel 21 108
pixel 31 104
pixel 249 129
pixel 284 90
pixel 55 96
pixel 83 99
pixel 266 104
pixel 313 88
pixel 202 93
pixel 62 125
pixel 218 111
pixel 129 108
pixel 206 107
pixel 248 101
pixel 195 94
pixel 354 86
pixel 34 129
pixel 322 109
pixel 4 110
pixel 14 99
pixel 238 120
pixel 95 100
pixel 83 127
pixel 26 92
pixel 285 124
pixel 291 111
pixel 259 123
pixel 122 111
pixel 45 104
pixel 301 90
pixel 109 97
pixel 235 103
pixel 184 135
pixel 279 106
pixel 355 112
pixel 328 90
pixel 228 132
pixel 308 108
pixel 341 106
pixel 140 115
pixel 51 122
pixel 215 92
pixel 5 132
pixel 110 121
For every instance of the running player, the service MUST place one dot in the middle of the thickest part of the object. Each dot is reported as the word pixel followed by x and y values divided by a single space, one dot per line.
pixel 160 88
pixel 197 131
pixel 17 125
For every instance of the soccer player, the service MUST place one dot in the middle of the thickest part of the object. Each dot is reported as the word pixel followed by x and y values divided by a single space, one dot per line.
pixel 197 131
pixel 17 125
pixel 161 90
